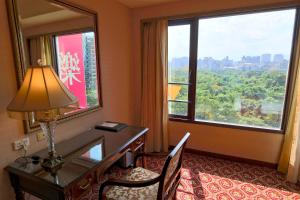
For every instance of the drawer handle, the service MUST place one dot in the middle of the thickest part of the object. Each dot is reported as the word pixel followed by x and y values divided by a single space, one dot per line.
pixel 84 187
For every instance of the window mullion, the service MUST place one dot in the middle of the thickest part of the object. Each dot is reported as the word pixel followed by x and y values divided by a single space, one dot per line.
pixel 193 68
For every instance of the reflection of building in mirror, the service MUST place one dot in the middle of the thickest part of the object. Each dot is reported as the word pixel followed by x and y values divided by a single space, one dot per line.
pixel 90 60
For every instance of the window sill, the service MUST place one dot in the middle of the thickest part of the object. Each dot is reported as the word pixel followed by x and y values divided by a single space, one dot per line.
pixel 223 125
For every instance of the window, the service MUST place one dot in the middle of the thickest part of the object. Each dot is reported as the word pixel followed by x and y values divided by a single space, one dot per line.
pixel 178 73
pixel 231 70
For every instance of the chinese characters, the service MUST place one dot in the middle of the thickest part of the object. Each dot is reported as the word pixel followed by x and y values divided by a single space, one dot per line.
pixel 69 67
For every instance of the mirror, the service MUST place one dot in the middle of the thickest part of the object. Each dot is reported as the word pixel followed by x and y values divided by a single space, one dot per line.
pixel 64 36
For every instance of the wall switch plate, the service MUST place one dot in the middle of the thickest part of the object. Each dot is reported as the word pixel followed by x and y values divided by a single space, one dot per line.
pixel 40 136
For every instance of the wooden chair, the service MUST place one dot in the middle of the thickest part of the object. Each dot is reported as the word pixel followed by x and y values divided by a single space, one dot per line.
pixel 143 184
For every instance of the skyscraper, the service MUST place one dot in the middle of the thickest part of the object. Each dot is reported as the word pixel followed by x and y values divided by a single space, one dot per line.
pixel 278 58
pixel 265 59
pixel 89 60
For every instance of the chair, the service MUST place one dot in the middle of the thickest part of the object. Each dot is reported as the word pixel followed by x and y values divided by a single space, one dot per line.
pixel 143 184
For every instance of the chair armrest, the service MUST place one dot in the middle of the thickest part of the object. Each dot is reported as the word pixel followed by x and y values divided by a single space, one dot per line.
pixel 148 155
pixel 125 183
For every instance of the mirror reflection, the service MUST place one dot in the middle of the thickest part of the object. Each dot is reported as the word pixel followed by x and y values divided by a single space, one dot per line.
pixel 64 37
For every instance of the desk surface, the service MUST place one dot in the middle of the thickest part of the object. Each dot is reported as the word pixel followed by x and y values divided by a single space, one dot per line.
pixel 98 144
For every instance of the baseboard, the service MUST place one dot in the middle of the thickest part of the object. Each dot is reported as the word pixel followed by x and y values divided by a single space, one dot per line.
pixel 232 158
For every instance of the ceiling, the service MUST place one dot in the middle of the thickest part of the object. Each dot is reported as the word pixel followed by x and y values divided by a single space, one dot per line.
pixel 26 8
pixel 143 3
pixel 43 12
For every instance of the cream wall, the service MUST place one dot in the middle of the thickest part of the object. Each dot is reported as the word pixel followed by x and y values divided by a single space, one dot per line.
pixel 247 144
pixel 115 49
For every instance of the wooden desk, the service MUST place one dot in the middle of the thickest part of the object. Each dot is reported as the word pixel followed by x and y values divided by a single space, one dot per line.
pixel 77 174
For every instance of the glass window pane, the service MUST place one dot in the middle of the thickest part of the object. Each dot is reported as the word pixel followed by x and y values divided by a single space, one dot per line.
pixel 178 92
pixel 76 59
pixel 242 68
pixel 178 108
pixel 178 53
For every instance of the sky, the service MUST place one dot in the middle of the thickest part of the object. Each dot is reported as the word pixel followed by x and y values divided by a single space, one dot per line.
pixel 236 36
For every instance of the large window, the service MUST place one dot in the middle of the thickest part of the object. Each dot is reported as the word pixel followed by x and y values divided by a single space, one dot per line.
pixel 232 69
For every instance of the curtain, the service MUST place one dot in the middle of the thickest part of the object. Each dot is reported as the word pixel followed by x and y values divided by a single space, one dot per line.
pixel 289 161
pixel 41 48
pixel 154 111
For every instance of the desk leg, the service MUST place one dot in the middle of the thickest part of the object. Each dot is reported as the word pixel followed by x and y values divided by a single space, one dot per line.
pixel 14 180
pixel 143 157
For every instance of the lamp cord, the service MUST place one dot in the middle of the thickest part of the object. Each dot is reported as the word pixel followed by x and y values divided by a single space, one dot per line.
pixel 25 150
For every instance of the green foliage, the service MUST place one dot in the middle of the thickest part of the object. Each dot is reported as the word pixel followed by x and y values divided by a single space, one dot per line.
pixel 252 98
pixel 92 97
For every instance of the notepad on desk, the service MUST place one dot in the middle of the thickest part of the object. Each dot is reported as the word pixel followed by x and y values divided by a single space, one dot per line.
pixel 111 126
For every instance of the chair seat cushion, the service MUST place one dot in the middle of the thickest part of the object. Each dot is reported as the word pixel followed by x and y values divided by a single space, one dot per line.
pixel 142 193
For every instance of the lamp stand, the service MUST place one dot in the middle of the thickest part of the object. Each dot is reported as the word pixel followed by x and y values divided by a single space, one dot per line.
pixel 54 162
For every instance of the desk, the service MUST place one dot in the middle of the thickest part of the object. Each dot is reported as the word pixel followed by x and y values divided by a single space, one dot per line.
pixel 78 174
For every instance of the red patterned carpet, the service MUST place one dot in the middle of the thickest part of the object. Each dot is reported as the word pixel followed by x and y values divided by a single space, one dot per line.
pixel 211 178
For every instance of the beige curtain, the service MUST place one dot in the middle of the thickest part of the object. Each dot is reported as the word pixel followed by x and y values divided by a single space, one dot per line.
pixel 289 162
pixel 41 48
pixel 155 84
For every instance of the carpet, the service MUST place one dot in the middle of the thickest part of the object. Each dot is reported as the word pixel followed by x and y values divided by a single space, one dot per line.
pixel 210 178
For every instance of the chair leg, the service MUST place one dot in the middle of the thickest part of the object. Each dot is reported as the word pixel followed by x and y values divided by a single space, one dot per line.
pixel 143 162
pixel 101 193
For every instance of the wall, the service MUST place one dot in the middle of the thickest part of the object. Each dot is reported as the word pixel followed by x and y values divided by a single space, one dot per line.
pixel 115 50
pixel 246 144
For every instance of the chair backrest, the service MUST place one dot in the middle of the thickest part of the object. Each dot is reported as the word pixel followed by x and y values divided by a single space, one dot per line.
pixel 171 170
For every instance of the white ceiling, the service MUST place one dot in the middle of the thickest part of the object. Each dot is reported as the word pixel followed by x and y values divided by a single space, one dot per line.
pixel 143 3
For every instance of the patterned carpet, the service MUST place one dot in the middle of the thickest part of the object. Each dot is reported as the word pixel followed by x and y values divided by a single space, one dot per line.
pixel 211 178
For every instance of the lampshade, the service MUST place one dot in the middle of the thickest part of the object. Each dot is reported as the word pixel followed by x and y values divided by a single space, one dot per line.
pixel 41 90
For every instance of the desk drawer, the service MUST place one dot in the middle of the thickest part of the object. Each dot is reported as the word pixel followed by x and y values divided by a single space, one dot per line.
pixel 137 144
pixel 83 185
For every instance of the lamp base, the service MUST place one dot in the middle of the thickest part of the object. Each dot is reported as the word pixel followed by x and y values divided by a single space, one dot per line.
pixel 52 164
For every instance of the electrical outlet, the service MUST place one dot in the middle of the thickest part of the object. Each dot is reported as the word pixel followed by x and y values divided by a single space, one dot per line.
pixel 40 136
pixel 20 144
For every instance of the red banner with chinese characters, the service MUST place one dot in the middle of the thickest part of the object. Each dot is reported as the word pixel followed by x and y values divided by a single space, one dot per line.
pixel 71 65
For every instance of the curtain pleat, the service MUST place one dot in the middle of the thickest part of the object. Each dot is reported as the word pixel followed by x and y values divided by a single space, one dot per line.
pixel 46 50
pixel 41 48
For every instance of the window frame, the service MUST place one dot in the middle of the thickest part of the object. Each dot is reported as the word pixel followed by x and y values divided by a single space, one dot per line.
pixel 193 22
pixel 190 100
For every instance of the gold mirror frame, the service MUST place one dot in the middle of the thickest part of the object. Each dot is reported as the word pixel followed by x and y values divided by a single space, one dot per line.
pixel 19 55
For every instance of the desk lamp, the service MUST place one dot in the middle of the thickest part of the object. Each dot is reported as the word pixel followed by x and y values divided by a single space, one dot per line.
pixel 43 94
